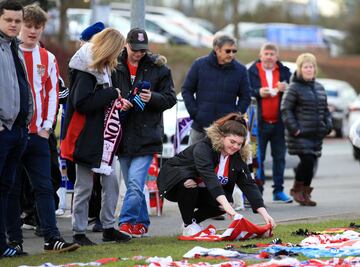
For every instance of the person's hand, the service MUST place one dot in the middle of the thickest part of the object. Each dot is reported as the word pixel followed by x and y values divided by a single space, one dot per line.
pixel 234 215
pixel 145 95
pixel 126 105
pixel 281 86
pixel 264 92
pixel 267 218
pixel 44 134
pixel 297 133
pixel 119 103
pixel 190 183
pixel 119 92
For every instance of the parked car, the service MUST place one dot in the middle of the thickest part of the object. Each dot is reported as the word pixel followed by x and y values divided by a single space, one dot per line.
pixel 80 18
pixel 340 94
pixel 171 23
pixel 354 115
pixel 170 118
pixel 291 36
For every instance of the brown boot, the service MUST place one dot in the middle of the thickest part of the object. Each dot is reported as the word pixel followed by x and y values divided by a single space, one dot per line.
pixel 307 196
pixel 297 192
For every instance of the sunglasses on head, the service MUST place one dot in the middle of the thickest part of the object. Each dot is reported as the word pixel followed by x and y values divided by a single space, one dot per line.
pixel 228 51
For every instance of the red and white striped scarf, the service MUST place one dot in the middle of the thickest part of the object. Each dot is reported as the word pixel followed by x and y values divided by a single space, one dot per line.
pixel 239 229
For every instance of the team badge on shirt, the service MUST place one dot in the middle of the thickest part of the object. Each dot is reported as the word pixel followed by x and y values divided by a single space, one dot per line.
pixel 40 69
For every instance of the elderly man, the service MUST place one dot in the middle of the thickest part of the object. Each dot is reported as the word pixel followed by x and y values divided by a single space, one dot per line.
pixel 268 79
pixel 215 85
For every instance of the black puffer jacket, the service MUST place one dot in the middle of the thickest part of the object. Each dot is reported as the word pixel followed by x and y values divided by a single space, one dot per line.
pixel 143 131
pixel 304 108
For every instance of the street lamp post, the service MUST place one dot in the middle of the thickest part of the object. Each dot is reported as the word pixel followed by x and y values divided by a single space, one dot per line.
pixel 137 14
pixel 100 11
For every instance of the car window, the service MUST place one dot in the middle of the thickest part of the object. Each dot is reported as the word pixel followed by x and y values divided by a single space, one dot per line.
pixel 332 93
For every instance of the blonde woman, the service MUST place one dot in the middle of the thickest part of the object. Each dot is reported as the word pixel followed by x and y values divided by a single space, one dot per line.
pixel 201 178
pixel 91 116
pixel 307 120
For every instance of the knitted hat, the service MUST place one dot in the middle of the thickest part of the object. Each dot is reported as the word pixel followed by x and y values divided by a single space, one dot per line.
pixel 91 31
pixel 137 39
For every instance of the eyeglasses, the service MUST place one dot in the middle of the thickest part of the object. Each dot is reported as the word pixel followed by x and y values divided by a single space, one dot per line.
pixel 228 51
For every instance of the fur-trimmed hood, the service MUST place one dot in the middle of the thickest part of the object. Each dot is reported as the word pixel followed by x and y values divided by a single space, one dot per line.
pixel 82 59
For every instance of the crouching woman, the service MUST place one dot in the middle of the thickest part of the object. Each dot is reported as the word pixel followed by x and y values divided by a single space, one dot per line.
pixel 201 178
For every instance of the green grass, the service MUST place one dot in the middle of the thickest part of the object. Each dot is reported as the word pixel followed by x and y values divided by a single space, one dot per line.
pixel 164 246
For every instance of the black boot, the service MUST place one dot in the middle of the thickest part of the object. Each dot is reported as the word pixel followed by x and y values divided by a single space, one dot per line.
pixel 111 234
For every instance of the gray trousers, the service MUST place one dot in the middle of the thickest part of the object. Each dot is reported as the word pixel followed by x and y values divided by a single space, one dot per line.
pixel 82 193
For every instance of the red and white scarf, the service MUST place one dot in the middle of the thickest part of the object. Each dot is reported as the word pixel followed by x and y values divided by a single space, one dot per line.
pixel 239 229
pixel 112 134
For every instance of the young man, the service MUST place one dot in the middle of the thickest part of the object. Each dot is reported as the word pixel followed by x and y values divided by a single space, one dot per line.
pixel 42 71
pixel 142 130
pixel 16 109
pixel 268 79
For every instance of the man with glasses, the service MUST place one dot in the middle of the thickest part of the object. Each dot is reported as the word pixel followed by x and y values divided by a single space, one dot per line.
pixel 268 80
pixel 147 89
pixel 215 85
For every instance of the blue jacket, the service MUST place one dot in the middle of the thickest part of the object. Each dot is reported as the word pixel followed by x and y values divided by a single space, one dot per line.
pixel 255 84
pixel 219 89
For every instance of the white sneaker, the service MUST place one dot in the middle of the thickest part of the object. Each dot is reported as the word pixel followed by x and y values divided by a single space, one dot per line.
pixel 59 212
pixel 191 229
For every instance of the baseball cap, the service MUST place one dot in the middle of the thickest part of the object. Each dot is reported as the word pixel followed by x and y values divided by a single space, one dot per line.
pixel 137 39
pixel 91 31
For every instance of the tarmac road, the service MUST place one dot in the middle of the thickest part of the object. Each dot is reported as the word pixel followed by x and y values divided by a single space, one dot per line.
pixel 336 191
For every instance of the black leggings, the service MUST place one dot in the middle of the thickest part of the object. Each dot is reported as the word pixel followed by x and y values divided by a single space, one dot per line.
pixel 304 172
pixel 194 203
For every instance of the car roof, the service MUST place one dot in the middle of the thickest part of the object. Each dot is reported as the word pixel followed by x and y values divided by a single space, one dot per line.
pixel 334 84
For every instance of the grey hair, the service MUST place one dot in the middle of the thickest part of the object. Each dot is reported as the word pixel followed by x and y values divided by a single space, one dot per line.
pixel 222 38
pixel 270 46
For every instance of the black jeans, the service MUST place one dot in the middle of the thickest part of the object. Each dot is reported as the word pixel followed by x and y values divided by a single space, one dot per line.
pixel 194 203
pixel 304 172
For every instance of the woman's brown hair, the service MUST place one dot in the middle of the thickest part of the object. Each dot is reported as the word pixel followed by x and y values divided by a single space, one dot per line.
pixel 231 124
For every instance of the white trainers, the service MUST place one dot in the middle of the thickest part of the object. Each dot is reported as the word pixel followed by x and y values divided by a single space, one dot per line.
pixel 191 229
pixel 59 212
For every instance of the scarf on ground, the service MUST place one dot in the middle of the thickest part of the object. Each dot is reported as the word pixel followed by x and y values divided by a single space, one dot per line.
pixel 239 229
pixel 112 127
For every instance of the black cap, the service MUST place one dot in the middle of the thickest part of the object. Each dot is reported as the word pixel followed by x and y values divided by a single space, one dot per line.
pixel 137 39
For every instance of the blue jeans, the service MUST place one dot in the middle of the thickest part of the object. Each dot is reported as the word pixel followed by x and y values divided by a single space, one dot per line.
pixel 36 161
pixel 12 145
pixel 135 171
pixel 273 133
